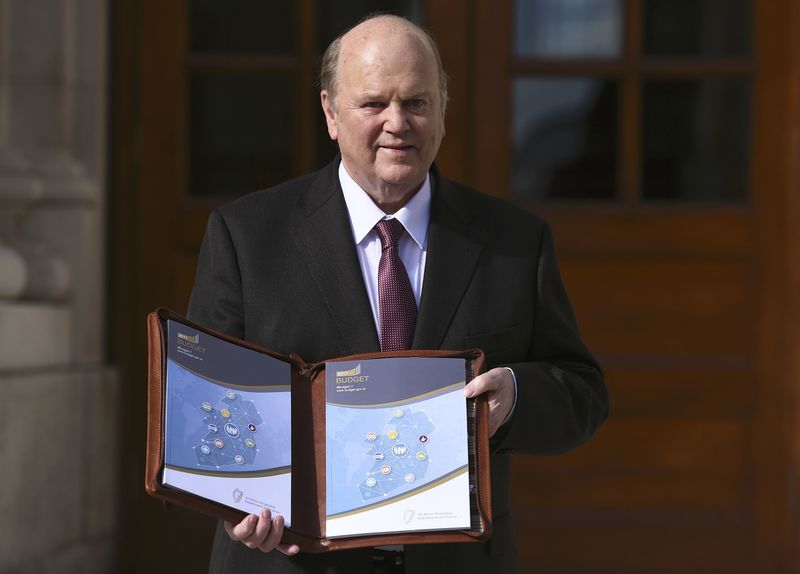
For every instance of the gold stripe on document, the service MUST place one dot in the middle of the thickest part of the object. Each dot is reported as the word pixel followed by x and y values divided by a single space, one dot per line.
pixel 446 478
pixel 271 472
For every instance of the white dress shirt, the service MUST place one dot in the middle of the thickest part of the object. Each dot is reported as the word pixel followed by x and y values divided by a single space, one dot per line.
pixel 364 214
pixel 415 216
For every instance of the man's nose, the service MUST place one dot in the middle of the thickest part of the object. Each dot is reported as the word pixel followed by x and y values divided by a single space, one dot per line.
pixel 396 119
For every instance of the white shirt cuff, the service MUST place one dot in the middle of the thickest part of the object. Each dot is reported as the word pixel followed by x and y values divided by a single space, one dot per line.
pixel 516 392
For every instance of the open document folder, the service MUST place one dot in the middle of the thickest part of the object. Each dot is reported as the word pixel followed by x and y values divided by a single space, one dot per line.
pixel 365 450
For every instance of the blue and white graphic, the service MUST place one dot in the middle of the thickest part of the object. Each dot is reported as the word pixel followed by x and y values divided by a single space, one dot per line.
pixel 209 425
pixel 400 455
pixel 397 438
pixel 228 422
pixel 235 416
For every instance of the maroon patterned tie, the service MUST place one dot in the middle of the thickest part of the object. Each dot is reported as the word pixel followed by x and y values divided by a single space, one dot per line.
pixel 396 305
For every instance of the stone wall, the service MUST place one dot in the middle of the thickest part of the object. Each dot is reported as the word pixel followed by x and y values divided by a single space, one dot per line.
pixel 58 398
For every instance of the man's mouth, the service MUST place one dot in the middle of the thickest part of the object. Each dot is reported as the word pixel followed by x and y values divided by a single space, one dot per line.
pixel 397 148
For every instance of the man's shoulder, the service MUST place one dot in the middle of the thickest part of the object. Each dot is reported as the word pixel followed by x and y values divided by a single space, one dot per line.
pixel 496 213
pixel 278 197
pixel 281 199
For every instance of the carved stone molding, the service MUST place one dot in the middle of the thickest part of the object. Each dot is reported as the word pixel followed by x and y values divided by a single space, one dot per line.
pixel 17 191
pixel 30 266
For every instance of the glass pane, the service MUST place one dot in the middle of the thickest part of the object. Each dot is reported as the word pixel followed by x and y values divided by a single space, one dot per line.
pixel 242 26
pixel 695 141
pixel 564 134
pixel 572 28
pixel 698 28
pixel 240 133
pixel 333 18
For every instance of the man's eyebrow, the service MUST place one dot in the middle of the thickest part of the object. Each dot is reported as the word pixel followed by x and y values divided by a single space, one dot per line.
pixel 420 94
pixel 378 96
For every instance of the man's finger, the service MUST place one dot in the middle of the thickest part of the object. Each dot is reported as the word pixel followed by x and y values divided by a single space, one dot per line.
pixel 229 529
pixel 499 384
pixel 244 528
pixel 261 530
pixel 481 384
pixel 274 536
pixel 288 549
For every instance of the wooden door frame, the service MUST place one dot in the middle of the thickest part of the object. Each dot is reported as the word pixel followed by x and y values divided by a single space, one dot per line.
pixel 775 230
pixel 776 185
pixel 144 74
pixel 136 235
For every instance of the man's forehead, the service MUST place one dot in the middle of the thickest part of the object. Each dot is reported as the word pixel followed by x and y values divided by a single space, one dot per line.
pixel 405 93
pixel 380 25
pixel 384 57
pixel 407 74
pixel 380 31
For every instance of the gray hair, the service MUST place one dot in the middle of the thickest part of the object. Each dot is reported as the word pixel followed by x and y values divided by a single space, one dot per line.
pixel 330 60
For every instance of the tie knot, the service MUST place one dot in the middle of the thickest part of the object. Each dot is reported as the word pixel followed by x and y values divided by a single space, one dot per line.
pixel 390 231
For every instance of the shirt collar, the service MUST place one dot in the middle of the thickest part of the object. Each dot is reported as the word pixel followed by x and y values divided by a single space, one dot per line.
pixel 364 214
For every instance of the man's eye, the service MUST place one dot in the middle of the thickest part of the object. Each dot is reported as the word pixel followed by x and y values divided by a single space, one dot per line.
pixel 373 105
pixel 416 104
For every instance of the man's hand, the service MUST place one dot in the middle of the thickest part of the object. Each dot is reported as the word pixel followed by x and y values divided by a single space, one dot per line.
pixel 499 383
pixel 262 532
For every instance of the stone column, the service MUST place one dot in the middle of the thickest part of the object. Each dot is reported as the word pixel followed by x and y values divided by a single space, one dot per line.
pixel 58 438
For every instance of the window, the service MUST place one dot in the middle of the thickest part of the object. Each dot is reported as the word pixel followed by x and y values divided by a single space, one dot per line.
pixel 254 118
pixel 637 101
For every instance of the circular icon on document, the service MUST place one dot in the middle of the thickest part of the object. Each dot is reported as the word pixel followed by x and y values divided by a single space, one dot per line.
pixel 212 428
pixel 379 456
pixel 386 469
pixel 207 406
pixel 218 443
pixel 398 413
pixel 371 436
pixel 239 459
pixel 205 449
pixel 423 438
pixel 231 430
pixel 400 450
pixel 250 443
pixel 421 455
pixel 392 434
pixel 225 413
pixel 251 427
pixel 409 477
pixel 371 481
pixel 230 394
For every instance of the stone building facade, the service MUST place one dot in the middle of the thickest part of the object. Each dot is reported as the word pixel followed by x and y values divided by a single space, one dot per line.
pixel 58 406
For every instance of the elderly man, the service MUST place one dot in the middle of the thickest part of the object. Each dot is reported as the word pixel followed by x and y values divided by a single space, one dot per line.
pixel 300 268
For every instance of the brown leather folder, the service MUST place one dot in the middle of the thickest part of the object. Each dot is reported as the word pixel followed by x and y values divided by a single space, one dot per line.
pixel 308 447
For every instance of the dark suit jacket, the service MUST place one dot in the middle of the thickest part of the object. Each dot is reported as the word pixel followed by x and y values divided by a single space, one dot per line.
pixel 279 268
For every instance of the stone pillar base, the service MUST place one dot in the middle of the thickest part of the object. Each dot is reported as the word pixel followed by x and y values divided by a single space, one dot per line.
pixel 34 335
pixel 59 452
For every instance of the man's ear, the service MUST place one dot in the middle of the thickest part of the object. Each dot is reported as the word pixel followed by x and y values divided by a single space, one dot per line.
pixel 330 115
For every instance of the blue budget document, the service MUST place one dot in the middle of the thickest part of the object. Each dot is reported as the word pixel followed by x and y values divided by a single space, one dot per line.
pixel 396 446
pixel 227 423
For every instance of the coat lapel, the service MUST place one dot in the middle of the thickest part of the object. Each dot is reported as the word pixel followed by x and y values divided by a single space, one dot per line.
pixel 322 231
pixel 454 245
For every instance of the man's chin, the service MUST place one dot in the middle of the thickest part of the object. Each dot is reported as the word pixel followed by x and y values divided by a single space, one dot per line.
pixel 406 182
pixel 400 173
